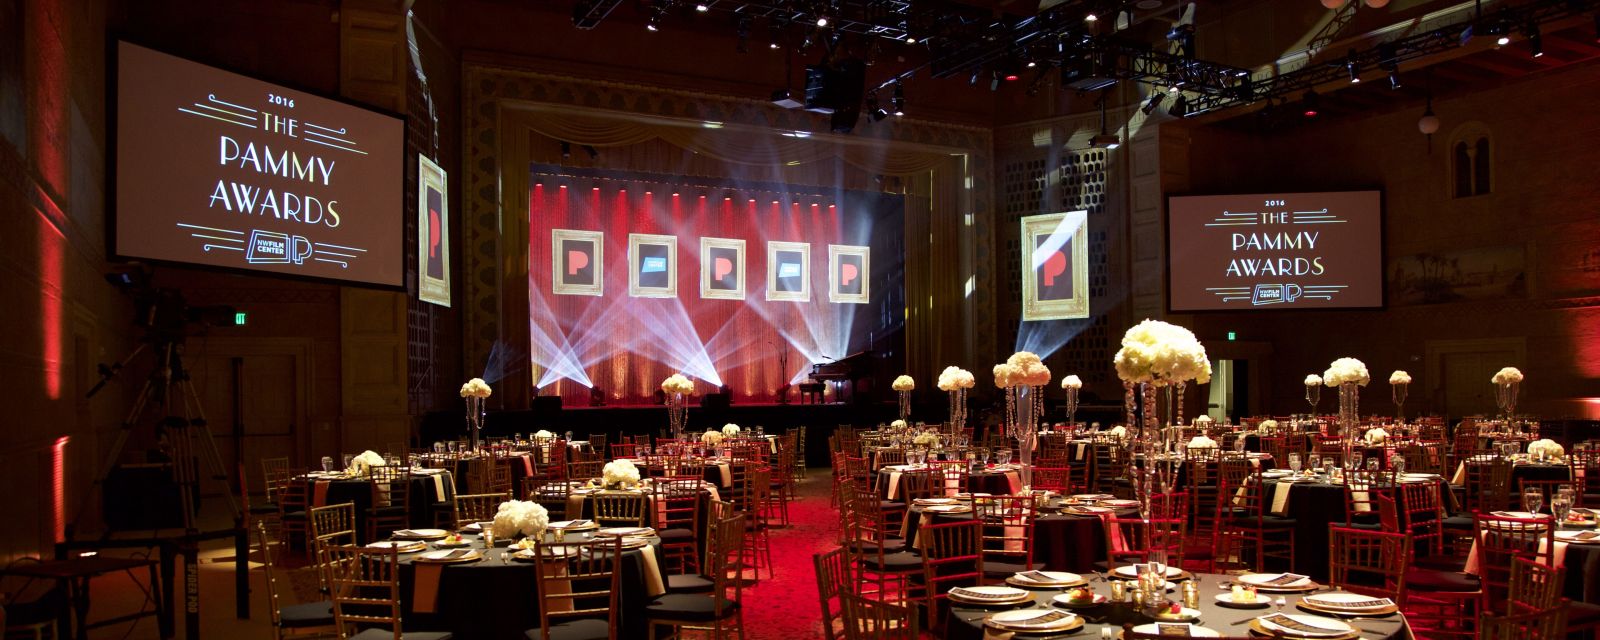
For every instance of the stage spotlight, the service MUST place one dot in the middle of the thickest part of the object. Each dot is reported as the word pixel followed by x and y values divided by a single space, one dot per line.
pixel 702 7
pixel 822 21
pixel 1090 18
pixel 1535 40
pixel 654 23
pixel 1153 103
pixel 1310 103
pixel 597 398
pixel 1353 67
pixel 1180 107
pixel 1394 79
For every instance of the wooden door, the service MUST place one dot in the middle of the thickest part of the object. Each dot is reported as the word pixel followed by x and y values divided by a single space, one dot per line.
pixel 1466 386
pixel 254 403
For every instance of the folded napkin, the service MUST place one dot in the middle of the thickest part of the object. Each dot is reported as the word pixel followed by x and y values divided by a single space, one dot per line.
pixel 1584 535
pixel 1292 624
pixel 1284 580
pixel 1176 630
pixel 405 533
pixel 1351 604
pixel 1036 576
pixel 981 595
pixel 568 524
pixel 425 587
pixel 1045 618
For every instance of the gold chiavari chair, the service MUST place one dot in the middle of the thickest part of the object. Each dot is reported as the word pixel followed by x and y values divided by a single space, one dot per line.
pixel 1368 562
pixel 952 556
pixel 1534 586
pixel 868 619
pixel 366 593
pixel 720 614
pixel 294 519
pixel 586 470
pixel 833 582
pixel 478 507
pixel 579 583
pixel 275 475
pixel 1007 533
pixel 620 509
pixel 876 553
pixel 334 524
pixel 1549 624
pixel 293 620
pixel 391 500
pixel 677 508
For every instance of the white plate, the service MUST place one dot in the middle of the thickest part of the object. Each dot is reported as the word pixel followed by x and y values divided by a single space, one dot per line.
pixel 1119 504
pixel 947 508
pixel 1017 619
pixel 420 534
pixel 1092 496
pixel 624 532
pixel 1572 536
pixel 1065 600
pixel 933 501
pixel 404 546
pixel 1344 602
pixel 443 555
pixel 993 594
pixel 1194 631
pixel 1262 601
pixel 1056 577
pixel 1186 615
pixel 1087 510
pixel 1331 626
pixel 1126 571
pixel 1261 580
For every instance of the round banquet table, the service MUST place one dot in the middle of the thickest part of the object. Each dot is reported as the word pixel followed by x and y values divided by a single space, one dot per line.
pixel 1061 541
pixel 993 480
pixel 1315 505
pixel 424 492
pixel 964 622
pixel 498 599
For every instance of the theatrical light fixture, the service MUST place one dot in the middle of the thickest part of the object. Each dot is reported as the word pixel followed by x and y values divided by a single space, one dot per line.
pixel 702 7
pixel 654 23
pixel 1535 40
pixel 1153 103
pixel 1310 103
pixel 899 99
pixel 1394 80
pixel 1090 17
pixel 822 21
pixel 1180 107
pixel 1353 67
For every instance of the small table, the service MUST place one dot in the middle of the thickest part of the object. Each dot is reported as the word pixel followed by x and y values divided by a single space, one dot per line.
pixel 77 572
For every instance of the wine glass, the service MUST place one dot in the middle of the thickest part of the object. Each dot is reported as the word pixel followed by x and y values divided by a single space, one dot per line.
pixel 1314 461
pixel 1559 506
pixel 1002 457
pixel 1372 464
pixel 1355 460
pixel 1279 603
pixel 1238 444
pixel 1399 464
pixel 1327 467
pixel 1294 462
pixel 1532 499
pixel 983 456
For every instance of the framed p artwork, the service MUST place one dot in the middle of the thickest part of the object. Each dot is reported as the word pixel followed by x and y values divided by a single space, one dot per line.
pixel 788 271
pixel 652 266
pixel 1055 266
pixel 433 233
pixel 848 268
pixel 577 262
pixel 721 269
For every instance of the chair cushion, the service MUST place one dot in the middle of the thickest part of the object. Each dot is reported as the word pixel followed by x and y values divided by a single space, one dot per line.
pixel 689 607
pixel 891 545
pixel 901 561
pixel 307 614
pixel 1435 580
pixel 689 583
pixel 675 534
pixel 1365 526
pixel 1439 563
pixel 1457 522
pixel 385 634
pixel 1582 614
pixel 890 505
pixel 590 629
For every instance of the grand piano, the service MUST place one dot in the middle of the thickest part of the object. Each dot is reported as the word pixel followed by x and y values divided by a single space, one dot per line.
pixel 851 368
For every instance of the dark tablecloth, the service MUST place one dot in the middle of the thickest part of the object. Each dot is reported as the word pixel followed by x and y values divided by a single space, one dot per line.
pixel 423 494
pixel 1316 506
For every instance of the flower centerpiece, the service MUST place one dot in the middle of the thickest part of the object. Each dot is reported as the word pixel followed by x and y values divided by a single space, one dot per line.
pixel 362 465
pixel 475 392
pixel 1347 375
pixel 1376 436
pixel 519 517
pixel 956 381
pixel 711 438
pixel 676 386
pixel 1073 385
pixel 897 425
pixel 1267 427
pixel 1023 377
pixel 926 439
pixel 543 434
pixel 1313 392
pixel 1507 382
pixel 1158 355
pixel 1119 432
pixel 903 386
pixel 620 474
pixel 1202 442
pixel 1399 382
pixel 1546 449
pixel 730 430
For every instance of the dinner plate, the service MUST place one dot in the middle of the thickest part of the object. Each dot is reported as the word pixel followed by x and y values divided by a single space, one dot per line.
pixel 1347 604
pixel 476 527
pixel 1579 537
pixel 450 556
pixel 933 501
pixel 403 546
pixel 573 525
pixel 992 595
pixel 1126 571
pixel 624 532
pixel 452 543
pixel 1193 631
pixel 419 534
pixel 948 508
pixel 973 495
pixel 1119 504
pixel 1226 600
pixel 1088 510
pixel 1184 614
pixel 1052 579
pixel 1264 581
pixel 1034 620
pixel 1092 496
pixel 1065 600
pixel 526 555
pixel 1322 627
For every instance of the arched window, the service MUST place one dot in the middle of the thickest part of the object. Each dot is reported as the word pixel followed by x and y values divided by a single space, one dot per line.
pixel 1471 161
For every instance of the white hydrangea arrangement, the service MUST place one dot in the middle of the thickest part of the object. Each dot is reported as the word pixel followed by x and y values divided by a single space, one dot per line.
pixel 1072 381
pixel 677 383
pixel 476 388
pixel 711 438
pixel 1377 435
pixel 730 430
pixel 897 424
pixel 365 462
pixel 519 516
pixel 1546 448
pixel 953 378
pixel 1313 380
pixel 620 473
pixel 1346 370
pixel 1202 420
pixel 1119 431
pixel 1202 442
pixel 1507 375
pixel 1159 353
pixel 1268 426
pixel 903 383
pixel 926 439
pixel 1399 377
pixel 1023 368
pixel 543 434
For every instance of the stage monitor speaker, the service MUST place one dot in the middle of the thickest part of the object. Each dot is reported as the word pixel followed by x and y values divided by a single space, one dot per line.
pixel 142 497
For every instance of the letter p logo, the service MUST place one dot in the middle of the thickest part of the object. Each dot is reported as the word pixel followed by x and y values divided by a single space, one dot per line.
pixel 720 268
pixel 576 260
pixel 1054 266
pixel 848 272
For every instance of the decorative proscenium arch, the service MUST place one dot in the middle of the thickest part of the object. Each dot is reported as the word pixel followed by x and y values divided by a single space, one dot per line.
pixel 946 170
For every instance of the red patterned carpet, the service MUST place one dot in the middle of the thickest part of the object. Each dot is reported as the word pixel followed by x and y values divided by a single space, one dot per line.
pixel 785 605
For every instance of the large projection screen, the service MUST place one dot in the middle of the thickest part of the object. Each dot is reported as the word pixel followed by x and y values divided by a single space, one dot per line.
pixel 214 168
pixel 1275 251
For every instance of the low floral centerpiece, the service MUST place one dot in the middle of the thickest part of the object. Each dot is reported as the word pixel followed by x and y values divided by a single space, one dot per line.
pixel 711 438
pixel 1546 449
pixel 519 517
pixel 362 465
pixel 620 474
pixel 1377 436
pixel 730 430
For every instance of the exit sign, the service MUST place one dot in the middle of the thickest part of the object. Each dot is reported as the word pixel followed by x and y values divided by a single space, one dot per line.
pixel 1231 335
pixel 240 317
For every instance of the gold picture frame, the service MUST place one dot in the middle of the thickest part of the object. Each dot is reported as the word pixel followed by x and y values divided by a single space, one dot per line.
pixel 636 264
pixel 1068 230
pixel 708 269
pixel 775 247
pixel 433 267
pixel 558 262
pixel 835 293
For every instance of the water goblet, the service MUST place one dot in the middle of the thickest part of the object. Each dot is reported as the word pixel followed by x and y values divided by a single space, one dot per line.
pixel 1314 461
pixel 347 458
pixel 1559 507
pixel 1294 462
pixel 327 463
pixel 1355 460
pixel 1279 603
pixel 1002 457
pixel 1372 464
pixel 1532 500
pixel 569 436
pixel 438 447
pixel 1327 467
pixel 1399 464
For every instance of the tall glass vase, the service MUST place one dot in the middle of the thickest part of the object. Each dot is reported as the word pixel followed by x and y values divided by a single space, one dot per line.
pixel 1028 403
pixel 474 421
pixel 1398 392
pixel 1072 408
pixel 677 414
pixel 905 406
pixel 1505 397
pixel 958 410
pixel 1349 410
pixel 1313 397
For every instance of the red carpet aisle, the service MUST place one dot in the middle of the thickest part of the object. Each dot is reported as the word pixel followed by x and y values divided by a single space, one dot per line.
pixel 785 606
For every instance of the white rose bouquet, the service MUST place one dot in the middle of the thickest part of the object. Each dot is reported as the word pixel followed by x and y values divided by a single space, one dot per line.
pixel 711 438
pixel 1202 442
pixel 1268 426
pixel 1202 420
pixel 1119 431
pixel 903 383
pixel 730 430
pixel 1313 380
pixel 620 473
pixel 365 462
pixel 1546 448
pixel 1159 353
pixel 1346 370
pixel 1027 369
pixel 926 439
pixel 897 424
pixel 1377 435
pixel 1507 375
pixel 543 434
pixel 677 383
pixel 518 516
pixel 953 378
pixel 476 388
pixel 1399 377
pixel 1071 382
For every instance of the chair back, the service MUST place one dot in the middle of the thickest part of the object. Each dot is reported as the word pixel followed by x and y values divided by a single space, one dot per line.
pixel 578 581
pixel 869 619
pixel 1422 516
pixel 677 504
pixel 366 588
pixel 1007 528
pixel 953 477
pixel 1502 539
pixel 584 470
pixel 275 475
pixel 833 582
pixel 267 565
pixel 1535 586
pixel 478 507
pixel 623 450
pixel 334 524
pixel 1369 562
pixel 1549 624
pixel 612 509
pixel 952 556
pixel 1488 484
pixel 391 487
pixel 1054 478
